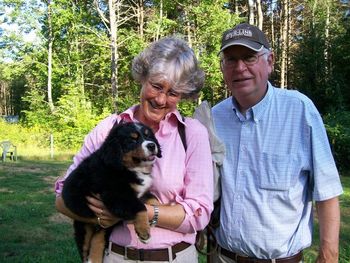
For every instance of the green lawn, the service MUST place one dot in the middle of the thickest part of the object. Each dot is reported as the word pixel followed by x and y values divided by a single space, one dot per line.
pixel 32 231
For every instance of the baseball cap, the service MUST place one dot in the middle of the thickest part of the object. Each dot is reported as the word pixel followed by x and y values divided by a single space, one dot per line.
pixel 245 35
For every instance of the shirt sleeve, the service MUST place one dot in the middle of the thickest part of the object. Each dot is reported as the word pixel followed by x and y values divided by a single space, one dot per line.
pixel 91 143
pixel 326 181
pixel 197 196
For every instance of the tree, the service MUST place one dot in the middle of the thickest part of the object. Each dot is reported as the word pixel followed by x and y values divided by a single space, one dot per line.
pixel 49 57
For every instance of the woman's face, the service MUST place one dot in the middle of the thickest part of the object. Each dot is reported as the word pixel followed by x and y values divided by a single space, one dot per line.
pixel 157 99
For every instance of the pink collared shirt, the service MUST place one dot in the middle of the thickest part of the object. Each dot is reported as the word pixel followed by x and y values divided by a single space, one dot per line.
pixel 179 177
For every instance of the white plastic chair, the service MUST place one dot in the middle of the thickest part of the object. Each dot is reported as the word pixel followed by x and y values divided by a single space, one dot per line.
pixel 8 148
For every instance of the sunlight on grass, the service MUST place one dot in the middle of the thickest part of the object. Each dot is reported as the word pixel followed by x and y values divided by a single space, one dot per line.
pixel 36 153
pixel 27 200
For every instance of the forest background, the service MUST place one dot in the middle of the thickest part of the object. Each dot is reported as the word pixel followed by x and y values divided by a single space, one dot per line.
pixel 65 64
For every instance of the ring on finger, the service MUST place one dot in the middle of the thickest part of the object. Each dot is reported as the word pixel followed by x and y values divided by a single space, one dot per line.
pixel 99 222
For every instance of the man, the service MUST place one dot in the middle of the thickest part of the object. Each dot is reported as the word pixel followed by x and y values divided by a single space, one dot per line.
pixel 278 160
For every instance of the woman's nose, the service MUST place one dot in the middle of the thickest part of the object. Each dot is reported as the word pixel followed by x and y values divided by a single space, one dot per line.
pixel 161 98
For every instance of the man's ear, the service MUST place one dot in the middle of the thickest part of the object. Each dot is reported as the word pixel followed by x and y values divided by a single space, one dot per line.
pixel 271 62
pixel 221 66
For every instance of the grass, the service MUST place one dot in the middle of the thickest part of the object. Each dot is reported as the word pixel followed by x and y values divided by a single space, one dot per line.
pixel 30 228
pixel 32 231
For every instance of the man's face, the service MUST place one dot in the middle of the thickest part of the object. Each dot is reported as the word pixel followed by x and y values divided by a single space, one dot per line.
pixel 246 72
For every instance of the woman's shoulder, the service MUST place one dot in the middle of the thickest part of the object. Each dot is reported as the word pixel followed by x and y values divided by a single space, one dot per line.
pixel 194 126
pixel 108 122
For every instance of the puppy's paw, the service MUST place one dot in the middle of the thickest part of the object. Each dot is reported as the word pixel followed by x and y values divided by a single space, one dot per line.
pixel 143 235
pixel 142 227
pixel 145 241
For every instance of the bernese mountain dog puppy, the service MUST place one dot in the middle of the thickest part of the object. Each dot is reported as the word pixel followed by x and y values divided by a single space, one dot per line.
pixel 119 172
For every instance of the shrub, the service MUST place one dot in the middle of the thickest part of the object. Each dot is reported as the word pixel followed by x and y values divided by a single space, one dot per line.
pixel 338 129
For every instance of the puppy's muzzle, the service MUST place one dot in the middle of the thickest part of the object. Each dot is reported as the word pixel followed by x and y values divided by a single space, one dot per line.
pixel 152 147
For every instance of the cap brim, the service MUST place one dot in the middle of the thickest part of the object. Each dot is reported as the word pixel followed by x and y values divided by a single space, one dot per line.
pixel 249 44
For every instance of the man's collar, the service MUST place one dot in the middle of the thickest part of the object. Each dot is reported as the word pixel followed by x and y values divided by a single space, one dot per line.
pixel 259 108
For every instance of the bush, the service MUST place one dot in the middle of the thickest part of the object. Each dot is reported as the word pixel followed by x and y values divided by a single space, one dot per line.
pixel 338 129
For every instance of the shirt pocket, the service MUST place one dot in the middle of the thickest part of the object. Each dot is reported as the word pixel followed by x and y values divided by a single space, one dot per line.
pixel 275 172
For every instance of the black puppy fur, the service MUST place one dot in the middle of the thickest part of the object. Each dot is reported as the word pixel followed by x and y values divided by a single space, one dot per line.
pixel 119 172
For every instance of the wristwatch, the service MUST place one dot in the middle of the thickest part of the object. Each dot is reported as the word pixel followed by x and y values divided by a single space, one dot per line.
pixel 154 220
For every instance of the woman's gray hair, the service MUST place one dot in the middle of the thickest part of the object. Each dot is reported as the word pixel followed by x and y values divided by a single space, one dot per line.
pixel 173 60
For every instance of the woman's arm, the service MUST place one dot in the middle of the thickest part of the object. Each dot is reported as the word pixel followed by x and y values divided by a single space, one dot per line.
pixel 61 207
pixel 169 216
pixel 106 219
pixel 196 197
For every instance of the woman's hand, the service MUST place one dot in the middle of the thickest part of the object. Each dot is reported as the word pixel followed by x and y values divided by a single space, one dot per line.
pixel 104 218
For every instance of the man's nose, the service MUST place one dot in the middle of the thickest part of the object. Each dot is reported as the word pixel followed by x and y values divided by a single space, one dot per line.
pixel 240 65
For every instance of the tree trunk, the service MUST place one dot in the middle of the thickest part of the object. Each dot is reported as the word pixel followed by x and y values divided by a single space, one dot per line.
pixel 251 6
pixel 188 29
pixel 326 49
pixel 140 18
pixel 160 21
pixel 272 29
pixel 260 15
pixel 284 42
pixel 289 43
pixel 49 58
pixel 113 10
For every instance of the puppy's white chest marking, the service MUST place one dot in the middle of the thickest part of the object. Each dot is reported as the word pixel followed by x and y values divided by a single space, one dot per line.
pixel 146 180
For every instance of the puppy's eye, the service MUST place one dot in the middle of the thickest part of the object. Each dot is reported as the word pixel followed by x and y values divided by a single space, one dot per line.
pixel 134 136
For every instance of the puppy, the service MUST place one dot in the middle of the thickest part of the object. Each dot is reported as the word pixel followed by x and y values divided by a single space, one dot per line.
pixel 119 172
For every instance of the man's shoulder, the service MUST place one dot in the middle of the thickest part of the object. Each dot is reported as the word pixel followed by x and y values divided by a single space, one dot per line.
pixel 290 95
pixel 222 105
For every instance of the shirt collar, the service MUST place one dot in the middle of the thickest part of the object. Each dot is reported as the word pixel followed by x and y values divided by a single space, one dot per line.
pixel 257 110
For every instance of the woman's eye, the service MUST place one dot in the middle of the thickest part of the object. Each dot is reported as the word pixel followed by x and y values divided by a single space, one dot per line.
pixel 156 87
pixel 173 94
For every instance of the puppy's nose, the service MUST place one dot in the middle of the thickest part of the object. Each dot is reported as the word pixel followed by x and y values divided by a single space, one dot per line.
pixel 151 147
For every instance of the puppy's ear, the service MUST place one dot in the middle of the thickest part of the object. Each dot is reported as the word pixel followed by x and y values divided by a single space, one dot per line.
pixel 111 153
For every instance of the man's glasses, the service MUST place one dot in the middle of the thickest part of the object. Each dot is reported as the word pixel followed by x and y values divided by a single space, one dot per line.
pixel 249 60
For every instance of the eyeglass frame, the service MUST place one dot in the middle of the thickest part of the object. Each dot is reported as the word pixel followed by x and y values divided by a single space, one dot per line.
pixel 235 61
pixel 157 89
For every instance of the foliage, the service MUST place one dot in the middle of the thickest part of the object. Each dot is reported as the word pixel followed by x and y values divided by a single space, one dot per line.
pixel 338 129
pixel 319 63
pixel 81 68
pixel 24 137
pixel 38 113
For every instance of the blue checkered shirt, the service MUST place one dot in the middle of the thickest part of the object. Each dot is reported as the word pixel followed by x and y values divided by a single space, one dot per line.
pixel 278 160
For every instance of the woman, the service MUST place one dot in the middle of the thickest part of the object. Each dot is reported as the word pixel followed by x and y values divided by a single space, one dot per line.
pixel 168 71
